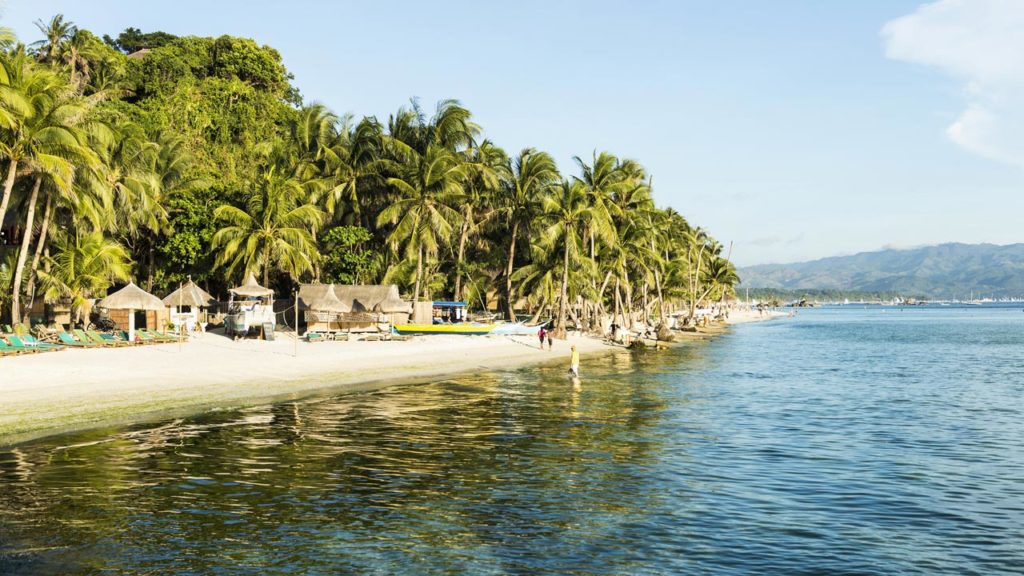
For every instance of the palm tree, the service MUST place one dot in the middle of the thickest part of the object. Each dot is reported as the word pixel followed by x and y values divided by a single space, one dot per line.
pixel 57 31
pixel 83 266
pixel 423 215
pixel 274 229
pixel 532 174
pixel 487 170
pixel 51 146
pixel 567 212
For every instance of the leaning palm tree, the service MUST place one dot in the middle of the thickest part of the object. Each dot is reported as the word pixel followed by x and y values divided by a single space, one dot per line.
pixel 423 215
pixel 532 174
pixel 274 229
pixel 83 265
pixel 567 211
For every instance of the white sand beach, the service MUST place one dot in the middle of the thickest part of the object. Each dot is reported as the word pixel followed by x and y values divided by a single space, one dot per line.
pixel 46 393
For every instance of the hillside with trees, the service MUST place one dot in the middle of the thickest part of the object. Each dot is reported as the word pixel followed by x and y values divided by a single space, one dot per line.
pixel 952 271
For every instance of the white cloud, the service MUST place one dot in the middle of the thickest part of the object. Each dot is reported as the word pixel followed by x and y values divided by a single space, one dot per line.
pixel 981 44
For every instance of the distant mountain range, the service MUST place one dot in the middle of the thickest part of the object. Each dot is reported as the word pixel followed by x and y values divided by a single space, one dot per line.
pixel 943 271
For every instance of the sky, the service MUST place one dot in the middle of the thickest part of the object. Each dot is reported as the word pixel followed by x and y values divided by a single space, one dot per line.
pixel 793 130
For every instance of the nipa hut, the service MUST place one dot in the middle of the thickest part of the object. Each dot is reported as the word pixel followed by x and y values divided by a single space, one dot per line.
pixel 122 305
pixel 356 308
pixel 186 303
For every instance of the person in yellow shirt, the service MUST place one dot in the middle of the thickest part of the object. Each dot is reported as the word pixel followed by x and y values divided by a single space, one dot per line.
pixel 574 362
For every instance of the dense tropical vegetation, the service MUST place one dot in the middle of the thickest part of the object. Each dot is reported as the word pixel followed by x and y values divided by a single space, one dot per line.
pixel 155 158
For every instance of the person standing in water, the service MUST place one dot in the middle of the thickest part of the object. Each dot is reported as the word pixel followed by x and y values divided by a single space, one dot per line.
pixel 574 362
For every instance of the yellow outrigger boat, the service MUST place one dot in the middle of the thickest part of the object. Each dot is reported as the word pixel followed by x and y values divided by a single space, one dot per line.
pixel 466 328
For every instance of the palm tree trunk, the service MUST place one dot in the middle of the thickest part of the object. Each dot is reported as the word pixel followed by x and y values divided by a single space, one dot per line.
pixel 419 273
pixel 510 313
pixel 266 267
pixel 661 300
pixel 560 329
pixel 43 234
pixel 151 266
pixel 463 236
pixel 26 239
pixel 12 169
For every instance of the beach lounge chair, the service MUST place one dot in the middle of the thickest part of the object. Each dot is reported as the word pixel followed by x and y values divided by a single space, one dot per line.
pixel 7 350
pixel 16 343
pixel 314 337
pixel 158 336
pixel 31 341
pixel 69 340
pixel 105 339
pixel 81 335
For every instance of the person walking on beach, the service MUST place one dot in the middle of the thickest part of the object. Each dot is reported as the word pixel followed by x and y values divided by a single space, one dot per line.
pixel 551 341
pixel 541 334
pixel 574 362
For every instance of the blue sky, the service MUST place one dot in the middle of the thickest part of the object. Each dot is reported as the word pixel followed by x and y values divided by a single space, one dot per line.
pixel 796 130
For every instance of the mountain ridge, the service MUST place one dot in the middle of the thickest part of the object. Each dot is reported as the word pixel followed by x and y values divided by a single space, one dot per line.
pixel 949 270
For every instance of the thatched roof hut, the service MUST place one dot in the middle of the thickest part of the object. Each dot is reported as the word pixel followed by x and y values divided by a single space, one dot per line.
pixel 189 295
pixel 121 306
pixel 251 289
pixel 131 297
pixel 381 298
pixel 352 308
pixel 328 301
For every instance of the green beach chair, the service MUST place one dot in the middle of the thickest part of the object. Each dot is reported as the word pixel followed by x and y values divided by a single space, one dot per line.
pixel 31 341
pixel 6 349
pixel 81 335
pixel 104 339
pixel 158 336
pixel 69 340
pixel 16 343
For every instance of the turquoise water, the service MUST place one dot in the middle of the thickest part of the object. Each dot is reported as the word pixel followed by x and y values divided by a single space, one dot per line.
pixel 841 441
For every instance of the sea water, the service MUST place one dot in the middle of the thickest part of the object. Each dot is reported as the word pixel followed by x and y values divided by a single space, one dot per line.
pixel 839 441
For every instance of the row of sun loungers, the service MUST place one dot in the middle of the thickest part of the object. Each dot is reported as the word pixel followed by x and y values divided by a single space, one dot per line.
pixel 12 343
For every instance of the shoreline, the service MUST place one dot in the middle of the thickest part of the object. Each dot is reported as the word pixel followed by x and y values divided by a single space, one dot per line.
pixel 48 394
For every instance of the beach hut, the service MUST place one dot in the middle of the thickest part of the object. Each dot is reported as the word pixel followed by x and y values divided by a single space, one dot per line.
pixel 250 309
pixel 325 312
pixel 371 308
pixel 186 303
pixel 122 305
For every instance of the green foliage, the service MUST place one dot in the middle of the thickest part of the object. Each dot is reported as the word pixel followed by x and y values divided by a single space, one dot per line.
pixel 133 39
pixel 345 259
pixel 186 252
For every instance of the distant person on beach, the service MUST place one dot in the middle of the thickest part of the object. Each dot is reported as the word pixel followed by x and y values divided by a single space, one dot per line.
pixel 551 341
pixel 574 362
pixel 541 334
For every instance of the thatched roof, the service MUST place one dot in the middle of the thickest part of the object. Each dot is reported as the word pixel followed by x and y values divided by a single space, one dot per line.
pixel 360 298
pixel 252 288
pixel 131 297
pixel 328 302
pixel 189 295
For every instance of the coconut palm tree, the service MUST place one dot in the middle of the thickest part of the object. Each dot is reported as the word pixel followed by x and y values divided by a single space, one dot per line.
pixel 567 211
pixel 532 174
pixel 57 32
pixel 52 145
pixel 424 217
pixel 487 167
pixel 83 265
pixel 274 229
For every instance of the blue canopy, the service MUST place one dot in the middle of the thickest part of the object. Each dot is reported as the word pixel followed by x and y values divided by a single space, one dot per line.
pixel 448 304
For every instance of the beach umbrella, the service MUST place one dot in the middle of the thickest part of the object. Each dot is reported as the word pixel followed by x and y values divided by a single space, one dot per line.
pixel 131 298
pixel 189 295
pixel 251 288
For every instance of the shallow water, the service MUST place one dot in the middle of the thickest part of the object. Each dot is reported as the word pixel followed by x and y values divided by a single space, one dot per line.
pixel 860 441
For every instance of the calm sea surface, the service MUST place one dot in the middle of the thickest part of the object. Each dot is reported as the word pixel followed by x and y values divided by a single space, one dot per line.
pixel 842 441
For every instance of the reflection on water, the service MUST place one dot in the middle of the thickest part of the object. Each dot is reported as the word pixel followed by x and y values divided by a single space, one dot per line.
pixel 837 442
